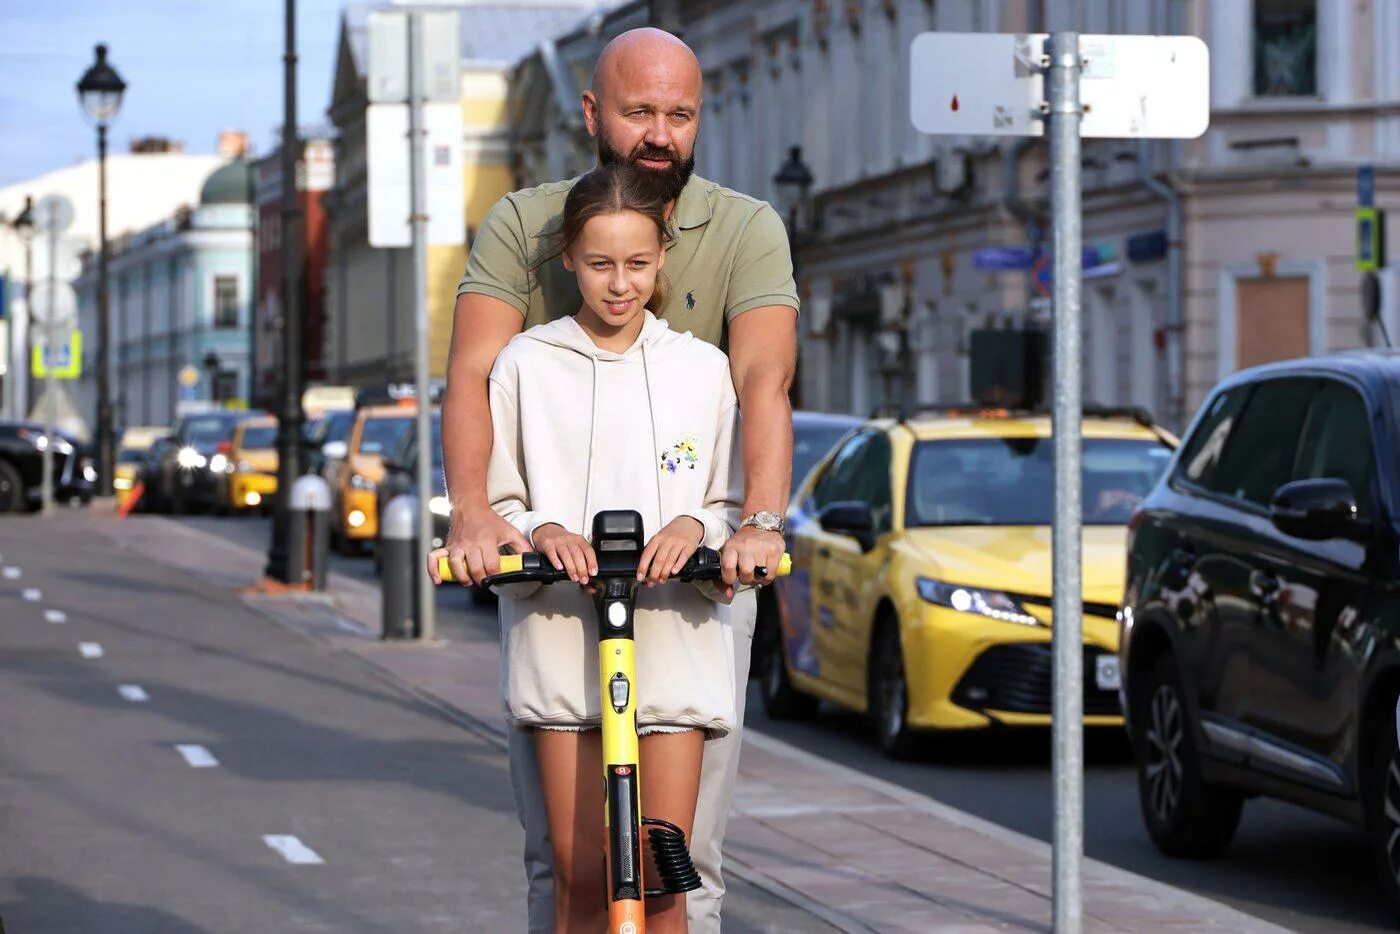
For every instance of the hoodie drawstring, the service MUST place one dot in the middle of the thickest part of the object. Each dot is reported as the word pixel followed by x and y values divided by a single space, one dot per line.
pixel 592 443
pixel 655 438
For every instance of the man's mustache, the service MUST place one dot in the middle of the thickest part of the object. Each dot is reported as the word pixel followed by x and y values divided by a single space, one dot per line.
pixel 657 154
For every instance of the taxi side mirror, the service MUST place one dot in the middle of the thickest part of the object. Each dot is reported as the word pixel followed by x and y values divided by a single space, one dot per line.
pixel 851 518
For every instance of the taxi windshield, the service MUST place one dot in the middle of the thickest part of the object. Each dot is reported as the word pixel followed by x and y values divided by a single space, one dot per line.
pixel 1008 481
pixel 382 435
pixel 259 437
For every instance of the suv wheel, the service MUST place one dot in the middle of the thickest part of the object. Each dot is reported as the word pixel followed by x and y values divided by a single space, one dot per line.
pixel 1185 816
pixel 11 489
pixel 781 700
pixel 889 692
pixel 1382 791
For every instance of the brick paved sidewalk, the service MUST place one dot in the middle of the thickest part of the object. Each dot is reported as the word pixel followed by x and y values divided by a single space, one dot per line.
pixel 858 852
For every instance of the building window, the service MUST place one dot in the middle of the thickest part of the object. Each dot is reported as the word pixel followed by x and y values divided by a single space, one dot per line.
pixel 225 301
pixel 1285 48
pixel 225 385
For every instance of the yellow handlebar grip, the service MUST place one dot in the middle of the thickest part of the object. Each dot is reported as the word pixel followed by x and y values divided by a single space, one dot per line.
pixel 785 565
pixel 509 564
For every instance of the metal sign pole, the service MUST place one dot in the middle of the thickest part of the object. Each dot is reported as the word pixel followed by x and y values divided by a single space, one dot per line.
pixel 1067 607
pixel 50 360
pixel 419 221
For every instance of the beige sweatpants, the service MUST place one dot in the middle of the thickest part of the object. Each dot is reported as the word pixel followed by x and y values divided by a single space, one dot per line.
pixel 717 775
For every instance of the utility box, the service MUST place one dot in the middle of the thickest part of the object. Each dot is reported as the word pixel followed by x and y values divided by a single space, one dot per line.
pixel 1009 367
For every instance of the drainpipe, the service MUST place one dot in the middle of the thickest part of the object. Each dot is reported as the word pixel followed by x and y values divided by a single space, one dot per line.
pixel 1010 191
pixel 1176 400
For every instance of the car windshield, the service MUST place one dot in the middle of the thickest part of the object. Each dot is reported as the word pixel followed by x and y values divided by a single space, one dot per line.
pixel 203 433
pixel 336 426
pixel 1008 481
pixel 382 435
pixel 131 455
pixel 810 443
pixel 261 436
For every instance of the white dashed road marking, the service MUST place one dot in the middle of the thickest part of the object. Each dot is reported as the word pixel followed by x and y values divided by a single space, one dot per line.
pixel 197 757
pixel 32 594
pixel 293 850
pixel 133 693
pixel 90 649
pixel 11 574
pixel 55 616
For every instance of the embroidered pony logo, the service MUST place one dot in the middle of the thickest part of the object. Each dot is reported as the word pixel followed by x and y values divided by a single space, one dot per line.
pixel 690 300
pixel 681 454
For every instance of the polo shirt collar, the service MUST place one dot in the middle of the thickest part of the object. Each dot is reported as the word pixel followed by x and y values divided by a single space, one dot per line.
pixel 693 206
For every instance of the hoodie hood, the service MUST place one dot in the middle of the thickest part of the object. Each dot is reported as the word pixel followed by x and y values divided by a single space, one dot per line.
pixel 567 333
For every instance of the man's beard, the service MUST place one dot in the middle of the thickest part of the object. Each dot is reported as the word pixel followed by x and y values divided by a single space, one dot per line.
pixel 662 184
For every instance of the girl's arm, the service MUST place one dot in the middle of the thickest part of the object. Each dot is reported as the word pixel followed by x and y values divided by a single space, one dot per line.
pixel 506 489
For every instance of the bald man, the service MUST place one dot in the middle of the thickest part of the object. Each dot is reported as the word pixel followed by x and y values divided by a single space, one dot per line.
pixel 731 284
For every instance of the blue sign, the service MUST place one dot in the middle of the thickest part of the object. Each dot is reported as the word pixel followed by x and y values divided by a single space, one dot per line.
pixel 1003 257
pixel 1366 186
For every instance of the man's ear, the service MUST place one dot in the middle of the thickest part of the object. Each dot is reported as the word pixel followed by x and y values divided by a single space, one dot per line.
pixel 590 113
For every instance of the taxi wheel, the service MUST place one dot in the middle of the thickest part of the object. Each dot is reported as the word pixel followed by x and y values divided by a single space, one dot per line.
pixel 781 700
pixel 11 489
pixel 889 692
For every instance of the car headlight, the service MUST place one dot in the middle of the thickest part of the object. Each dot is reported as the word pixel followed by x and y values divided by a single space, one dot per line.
pixel 360 482
pixel 245 467
pixel 989 603
pixel 90 475
pixel 440 506
pixel 38 439
pixel 189 458
pixel 218 463
pixel 120 483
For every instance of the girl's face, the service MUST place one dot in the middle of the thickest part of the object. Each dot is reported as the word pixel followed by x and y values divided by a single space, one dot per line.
pixel 617 258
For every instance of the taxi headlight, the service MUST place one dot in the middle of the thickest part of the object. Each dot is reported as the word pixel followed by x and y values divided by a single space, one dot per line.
pixel 989 603
pixel 120 483
pixel 440 506
pixel 189 458
pixel 360 482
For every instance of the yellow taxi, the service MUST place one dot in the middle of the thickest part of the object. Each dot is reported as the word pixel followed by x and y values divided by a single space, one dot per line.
pixel 252 463
pixel 131 451
pixel 378 429
pixel 921 583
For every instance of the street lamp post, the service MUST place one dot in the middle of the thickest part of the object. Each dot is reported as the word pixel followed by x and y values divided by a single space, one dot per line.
pixel 26 229
pixel 100 91
pixel 793 185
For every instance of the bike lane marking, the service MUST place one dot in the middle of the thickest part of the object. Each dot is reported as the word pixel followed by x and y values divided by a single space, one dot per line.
pixel 293 850
pixel 133 692
pixel 11 573
pixel 197 757
pixel 55 616
pixel 90 649
pixel 32 594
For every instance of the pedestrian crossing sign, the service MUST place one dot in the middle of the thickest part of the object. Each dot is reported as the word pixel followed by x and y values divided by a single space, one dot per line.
pixel 66 360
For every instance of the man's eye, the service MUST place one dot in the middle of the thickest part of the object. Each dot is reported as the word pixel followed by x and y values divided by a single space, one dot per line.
pixel 680 118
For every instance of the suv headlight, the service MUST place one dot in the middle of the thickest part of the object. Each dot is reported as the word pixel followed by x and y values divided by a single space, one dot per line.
pixel 189 458
pixel 361 482
pixel 219 464
pixel 989 603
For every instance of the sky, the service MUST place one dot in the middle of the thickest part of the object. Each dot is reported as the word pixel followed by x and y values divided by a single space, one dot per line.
pixel 192 68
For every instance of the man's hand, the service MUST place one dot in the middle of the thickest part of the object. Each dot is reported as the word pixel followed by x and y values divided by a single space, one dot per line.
pixel 747 549
pixel 474 545
pixel 669 550
pixel 566 551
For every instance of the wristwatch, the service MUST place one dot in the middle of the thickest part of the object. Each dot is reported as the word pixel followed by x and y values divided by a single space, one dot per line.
pixel 765 520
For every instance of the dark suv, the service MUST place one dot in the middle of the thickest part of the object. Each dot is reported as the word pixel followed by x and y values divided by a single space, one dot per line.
pixel 1260 642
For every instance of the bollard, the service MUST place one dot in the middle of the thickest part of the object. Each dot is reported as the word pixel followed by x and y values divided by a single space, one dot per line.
pixel 398 541
pixel 308 531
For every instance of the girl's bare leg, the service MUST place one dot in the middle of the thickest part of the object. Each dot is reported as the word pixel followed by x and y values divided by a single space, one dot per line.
pixel 670 770
pixel 571 772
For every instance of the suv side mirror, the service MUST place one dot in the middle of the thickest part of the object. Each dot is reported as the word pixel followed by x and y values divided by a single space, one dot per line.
pixel 1314 509
pixel 335 450
pixel 850 518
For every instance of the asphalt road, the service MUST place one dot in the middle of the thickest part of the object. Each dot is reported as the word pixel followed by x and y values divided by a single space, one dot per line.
pixel 1287 865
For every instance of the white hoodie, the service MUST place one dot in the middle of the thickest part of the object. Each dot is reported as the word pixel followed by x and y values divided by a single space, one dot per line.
pixel 578 429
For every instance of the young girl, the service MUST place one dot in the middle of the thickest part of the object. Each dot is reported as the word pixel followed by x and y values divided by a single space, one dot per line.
pixel 611 409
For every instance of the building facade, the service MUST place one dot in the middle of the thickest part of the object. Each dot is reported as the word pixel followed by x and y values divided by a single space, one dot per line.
pixel 180 296
pixel 370 323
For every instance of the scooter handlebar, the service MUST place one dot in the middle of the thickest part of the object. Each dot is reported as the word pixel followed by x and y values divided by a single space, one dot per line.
pixel 533 567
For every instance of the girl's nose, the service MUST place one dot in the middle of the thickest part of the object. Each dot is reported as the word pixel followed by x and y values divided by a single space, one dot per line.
pixel 617 283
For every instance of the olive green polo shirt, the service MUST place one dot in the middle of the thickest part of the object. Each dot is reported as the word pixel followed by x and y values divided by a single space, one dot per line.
pixel 730 255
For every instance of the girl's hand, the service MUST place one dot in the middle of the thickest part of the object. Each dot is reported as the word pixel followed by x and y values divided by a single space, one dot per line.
pixel 566 551
pixel 669 549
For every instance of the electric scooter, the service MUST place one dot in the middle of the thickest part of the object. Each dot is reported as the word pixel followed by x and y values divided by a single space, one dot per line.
pixel 618 542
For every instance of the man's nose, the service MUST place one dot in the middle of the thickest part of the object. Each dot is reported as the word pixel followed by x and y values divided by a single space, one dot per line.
pixel 658 132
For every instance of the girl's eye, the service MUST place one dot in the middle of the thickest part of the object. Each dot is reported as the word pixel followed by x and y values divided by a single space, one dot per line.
pixel 599 264
pixel 639 264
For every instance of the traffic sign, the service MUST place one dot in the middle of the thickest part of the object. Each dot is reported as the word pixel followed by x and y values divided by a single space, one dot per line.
pixel 189 376
pixel 53 214
pixel 991 84
pixel 64 362
pixel 1366 186
pixel 54 303
pixel 1370 239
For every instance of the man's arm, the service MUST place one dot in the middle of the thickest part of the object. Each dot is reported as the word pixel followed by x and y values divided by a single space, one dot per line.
pixel 482 326
pixel 762 358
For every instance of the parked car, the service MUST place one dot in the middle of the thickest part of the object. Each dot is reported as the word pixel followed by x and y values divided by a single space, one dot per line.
pixel 333 426
pixel 22 447
pixel 1261 623
pixel 191 473
pixel 920 591
pixel 358 469
pixel 401 478
pixel 252 464
pixel 131 451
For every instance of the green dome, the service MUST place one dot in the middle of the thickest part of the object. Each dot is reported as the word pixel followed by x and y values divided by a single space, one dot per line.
pixel 230 184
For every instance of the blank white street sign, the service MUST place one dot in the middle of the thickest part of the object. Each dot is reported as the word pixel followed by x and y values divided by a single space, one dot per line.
pixel 386 127
pixel 989 84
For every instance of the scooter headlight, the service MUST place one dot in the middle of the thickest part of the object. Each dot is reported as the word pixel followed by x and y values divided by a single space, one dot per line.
pixel 992 604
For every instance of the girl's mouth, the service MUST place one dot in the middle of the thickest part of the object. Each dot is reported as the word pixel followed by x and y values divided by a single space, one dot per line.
pixel 618 308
